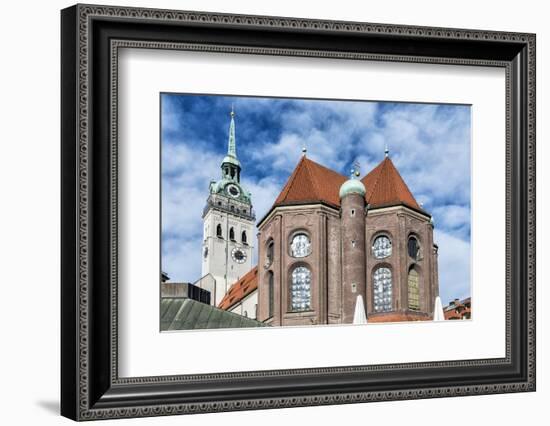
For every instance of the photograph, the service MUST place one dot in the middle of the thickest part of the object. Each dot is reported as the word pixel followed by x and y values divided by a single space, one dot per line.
pixel 304 212
pixel 278 208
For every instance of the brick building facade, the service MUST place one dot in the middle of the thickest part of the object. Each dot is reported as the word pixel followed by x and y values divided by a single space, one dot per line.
pixel 328 239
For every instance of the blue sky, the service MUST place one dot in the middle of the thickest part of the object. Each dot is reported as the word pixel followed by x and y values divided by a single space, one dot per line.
pixel 428 143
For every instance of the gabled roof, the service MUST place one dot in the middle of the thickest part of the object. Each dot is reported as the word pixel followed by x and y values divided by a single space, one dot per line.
pixel 310 183
pixel 177 313
pixel 386 187
pixel 240 289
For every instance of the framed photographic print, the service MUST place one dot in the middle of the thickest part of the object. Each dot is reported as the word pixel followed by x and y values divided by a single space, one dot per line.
pixel 263 212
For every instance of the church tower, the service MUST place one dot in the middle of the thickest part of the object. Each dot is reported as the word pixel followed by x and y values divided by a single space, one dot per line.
pixel 228 224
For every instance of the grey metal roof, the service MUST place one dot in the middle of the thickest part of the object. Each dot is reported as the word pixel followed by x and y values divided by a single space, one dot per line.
pixel 178 313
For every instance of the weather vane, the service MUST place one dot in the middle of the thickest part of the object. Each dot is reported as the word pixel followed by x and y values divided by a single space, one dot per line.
pixel 356 169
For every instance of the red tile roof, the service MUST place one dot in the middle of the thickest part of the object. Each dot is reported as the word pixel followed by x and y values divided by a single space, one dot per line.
pixel 240 289
pixel 310 182
pixel 386 187
pixel 398 317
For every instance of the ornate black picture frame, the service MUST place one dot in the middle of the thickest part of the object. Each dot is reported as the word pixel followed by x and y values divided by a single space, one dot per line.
pixel 91 36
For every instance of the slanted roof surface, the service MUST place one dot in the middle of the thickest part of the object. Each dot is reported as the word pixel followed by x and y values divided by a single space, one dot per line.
pixel 240 289
pixel 310 182
pixel 386 187
pixel 178 313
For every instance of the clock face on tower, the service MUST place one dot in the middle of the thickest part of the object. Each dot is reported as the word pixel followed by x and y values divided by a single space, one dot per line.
pixel 238 255
pixel 233 190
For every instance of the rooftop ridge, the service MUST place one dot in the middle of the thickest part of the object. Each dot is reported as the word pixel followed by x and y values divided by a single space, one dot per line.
pixel 288 184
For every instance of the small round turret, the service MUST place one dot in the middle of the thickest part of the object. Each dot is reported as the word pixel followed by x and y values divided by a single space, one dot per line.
pixel 352 214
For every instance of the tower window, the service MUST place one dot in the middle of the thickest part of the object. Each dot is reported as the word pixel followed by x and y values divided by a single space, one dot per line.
pixel 243 238
pixel 413 248
pixel 300 290
pixel 300 245
pixel 219 231
pixel 381 247
pixel 414 293
pixel 232 234
pixel 352 213
pixel 382 289
pixel 270 294
pixel 269 254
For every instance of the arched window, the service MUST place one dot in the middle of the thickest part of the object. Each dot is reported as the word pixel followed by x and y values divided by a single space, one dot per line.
pixel 269 253
pixel 300 289
pixel 231 234
pixel 381 248
pixel 413 248
pixel 243 238
pixel 219 231
pixel 300 246
pixel 382 289
pixel 414 293
pixel 270 294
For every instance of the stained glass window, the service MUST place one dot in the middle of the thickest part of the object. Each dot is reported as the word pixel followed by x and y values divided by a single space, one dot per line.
pixel 382 290
pixel 271 295
pixel 300 290
pixel 381 247
pixel 414 300
pixel 300 246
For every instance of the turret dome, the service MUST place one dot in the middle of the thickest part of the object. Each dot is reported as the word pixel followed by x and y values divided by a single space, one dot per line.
pixel 352 186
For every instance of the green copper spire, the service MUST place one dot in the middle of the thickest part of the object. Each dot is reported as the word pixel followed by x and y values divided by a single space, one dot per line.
pixel 232 146
pixel 231 157
pixel 231 167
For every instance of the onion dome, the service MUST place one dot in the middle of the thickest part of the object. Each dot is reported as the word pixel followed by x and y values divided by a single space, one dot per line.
pixel 353 185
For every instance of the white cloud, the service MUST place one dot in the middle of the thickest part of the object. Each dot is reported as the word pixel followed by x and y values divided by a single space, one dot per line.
pixel 428 145
pixel 326 130
pixel 186 175
pixel 454 266
pixel 181 259
pixel 453 216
